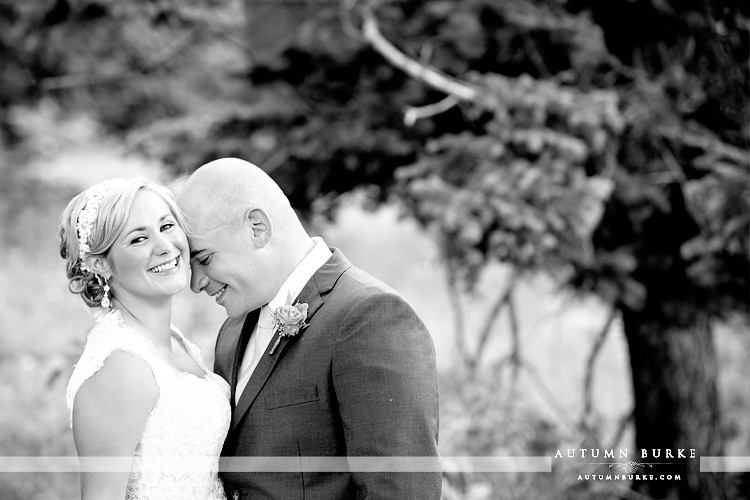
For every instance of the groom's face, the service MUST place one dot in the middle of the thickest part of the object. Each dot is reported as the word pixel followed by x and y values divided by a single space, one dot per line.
pixel 227 266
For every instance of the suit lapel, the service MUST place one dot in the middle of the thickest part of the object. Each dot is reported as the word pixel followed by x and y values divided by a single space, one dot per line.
pixel 312 294
pixel 247 330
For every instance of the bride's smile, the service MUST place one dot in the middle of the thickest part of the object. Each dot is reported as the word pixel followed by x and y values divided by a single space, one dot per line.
pixel 168 266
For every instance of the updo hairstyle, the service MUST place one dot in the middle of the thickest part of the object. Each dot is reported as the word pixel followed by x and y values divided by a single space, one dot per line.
pixel 109 223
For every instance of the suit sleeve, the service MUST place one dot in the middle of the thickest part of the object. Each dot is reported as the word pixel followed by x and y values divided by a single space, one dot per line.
pixel 385 380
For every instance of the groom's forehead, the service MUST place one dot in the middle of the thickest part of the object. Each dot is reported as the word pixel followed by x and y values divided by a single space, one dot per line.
pixel 205 223
pixel 207 238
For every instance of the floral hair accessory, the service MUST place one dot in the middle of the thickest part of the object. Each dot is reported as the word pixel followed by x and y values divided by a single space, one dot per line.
pixel 288 320
pixel 87 217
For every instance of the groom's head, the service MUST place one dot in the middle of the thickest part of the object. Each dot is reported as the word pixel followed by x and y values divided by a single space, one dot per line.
pixel 245 238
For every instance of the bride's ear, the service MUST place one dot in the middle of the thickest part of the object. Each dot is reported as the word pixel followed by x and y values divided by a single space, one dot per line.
pixel 99 265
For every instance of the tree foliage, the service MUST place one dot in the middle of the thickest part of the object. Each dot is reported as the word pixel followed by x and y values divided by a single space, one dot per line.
pixel 117 60
pixel 603 142
pixel 619 157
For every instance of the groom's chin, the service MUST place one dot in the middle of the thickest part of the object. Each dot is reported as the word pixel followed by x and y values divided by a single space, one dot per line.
pixel 233 312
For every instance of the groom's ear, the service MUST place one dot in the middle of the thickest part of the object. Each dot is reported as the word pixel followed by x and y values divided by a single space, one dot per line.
pixel 259 223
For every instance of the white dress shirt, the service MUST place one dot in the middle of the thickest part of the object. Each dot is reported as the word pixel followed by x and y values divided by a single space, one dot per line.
pixel 263 332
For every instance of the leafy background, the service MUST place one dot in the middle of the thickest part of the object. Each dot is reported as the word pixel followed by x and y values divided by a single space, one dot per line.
pixel 91 90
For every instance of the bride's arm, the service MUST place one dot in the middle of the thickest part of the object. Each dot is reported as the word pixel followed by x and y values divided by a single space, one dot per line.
pixel 109 415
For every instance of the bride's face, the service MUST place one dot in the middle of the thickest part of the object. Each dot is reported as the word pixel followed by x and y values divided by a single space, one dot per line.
pixel 150 257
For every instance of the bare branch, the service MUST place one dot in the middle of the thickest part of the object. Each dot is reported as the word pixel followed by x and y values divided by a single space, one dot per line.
pixel 492 316
pixel 430 76
pixel 536 57
pixel 275 160
pixel 681 179
pixel 548 395
pixel 515 334
pixel 417 113
pixel 346 8
pixel 250 52
pixel 454 299
pixel 706 143
pixel 621 428
pixel 595 350
pixel 674 167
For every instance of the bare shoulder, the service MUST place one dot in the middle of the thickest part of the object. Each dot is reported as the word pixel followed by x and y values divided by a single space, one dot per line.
pixel 111 411
pixel 125 385
pixel 125 371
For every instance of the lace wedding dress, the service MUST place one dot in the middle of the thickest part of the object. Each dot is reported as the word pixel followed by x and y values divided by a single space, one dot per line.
pixel 177 456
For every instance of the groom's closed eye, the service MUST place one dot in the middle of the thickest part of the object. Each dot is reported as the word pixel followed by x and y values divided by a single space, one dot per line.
pixel 201 259
pixel 197 256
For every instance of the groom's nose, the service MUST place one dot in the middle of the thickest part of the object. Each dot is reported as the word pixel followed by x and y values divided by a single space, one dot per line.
pixel 198 279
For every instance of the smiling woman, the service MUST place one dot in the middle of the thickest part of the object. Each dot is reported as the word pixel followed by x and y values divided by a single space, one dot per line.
pixel 95 222
pixel 148 261
pixel 140 389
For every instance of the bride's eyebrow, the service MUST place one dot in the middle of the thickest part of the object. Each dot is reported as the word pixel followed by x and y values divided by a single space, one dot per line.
pixel 143 228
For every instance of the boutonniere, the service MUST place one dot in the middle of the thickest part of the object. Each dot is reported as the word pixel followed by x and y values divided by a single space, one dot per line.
pixel 288 320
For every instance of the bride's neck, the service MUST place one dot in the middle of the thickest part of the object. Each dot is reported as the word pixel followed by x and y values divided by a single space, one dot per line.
pixel 151 320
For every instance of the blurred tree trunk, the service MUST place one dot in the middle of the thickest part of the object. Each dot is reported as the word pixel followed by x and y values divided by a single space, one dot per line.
pixel 676 402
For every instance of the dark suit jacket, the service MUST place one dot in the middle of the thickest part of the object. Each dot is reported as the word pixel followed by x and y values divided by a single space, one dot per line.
pixel 359 381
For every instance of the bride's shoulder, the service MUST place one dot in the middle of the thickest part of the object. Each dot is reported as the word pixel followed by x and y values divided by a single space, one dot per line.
pixel 118 395
pixel 114 355
pixel 121 373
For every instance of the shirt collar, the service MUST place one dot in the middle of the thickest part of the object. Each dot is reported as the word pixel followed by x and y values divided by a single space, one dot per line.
pixel 296 281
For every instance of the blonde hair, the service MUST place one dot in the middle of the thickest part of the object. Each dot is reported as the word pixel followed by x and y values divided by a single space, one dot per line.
pixel 110 220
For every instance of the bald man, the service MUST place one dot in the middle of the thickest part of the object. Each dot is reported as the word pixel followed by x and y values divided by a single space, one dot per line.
pixel 358 381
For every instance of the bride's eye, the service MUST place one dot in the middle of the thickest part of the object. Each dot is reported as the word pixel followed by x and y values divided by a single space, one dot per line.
pixel 138 239
pixel 167 226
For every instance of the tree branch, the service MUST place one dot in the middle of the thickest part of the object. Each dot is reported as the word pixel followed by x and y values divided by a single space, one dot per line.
pixel 417 113
pixel 454 299
pixel 622 427
pixel 430 76
pixel 346 8
pixel 492 316
pixel 515 334
pixel 595 350
pixel 548 395
pixel 275 160
pixel 705 143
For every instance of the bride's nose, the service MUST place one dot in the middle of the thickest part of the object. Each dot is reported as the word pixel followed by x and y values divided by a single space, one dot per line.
pixel 162 245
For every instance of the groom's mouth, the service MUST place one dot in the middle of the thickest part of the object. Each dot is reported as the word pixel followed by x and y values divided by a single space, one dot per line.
pixel 217 296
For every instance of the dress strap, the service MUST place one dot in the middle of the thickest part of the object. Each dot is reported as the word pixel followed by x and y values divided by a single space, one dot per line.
pixel 192 349
pixel 108 335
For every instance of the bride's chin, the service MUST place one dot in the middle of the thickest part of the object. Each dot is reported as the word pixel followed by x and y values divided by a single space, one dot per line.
pixel 174 288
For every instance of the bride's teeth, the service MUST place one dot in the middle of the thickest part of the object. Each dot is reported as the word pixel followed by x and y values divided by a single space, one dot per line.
pixel 165 267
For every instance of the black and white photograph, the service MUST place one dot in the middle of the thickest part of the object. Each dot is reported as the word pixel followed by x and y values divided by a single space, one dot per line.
pixel 374 249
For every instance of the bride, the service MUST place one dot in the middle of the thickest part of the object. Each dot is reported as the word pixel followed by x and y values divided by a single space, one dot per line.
pixel 140 391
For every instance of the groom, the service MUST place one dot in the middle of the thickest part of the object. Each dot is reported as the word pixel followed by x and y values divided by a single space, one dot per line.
pixel 358 381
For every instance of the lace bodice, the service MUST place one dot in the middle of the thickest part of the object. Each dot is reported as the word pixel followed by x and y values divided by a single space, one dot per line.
pixel 177 456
